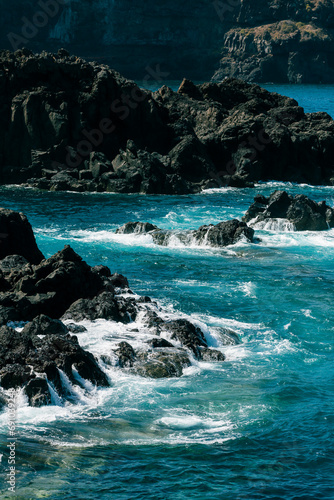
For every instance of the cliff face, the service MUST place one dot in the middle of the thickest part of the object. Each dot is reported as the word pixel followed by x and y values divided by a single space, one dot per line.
pixel 263 40
pixel 281 41
pixel 183 38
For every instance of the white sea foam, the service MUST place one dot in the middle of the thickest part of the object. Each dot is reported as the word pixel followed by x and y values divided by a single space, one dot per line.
pixel 273 225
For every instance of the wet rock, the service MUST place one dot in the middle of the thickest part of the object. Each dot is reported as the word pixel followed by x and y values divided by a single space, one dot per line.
pixel 189 335
pixel 103 306
pixel 38 392
pixel 301 211
pixel 229 337
pixel 156 342
pixel 212 355
pixel 222 234
pixel 43 325
pixel 162 364
pixel 24 356
pixel 119 281
pixel 13 376
pixel 137 228
pixel 17 237
pixel 73 328
pixel 3 400
pixel 126 355
pixel 152 320
pixel 50 287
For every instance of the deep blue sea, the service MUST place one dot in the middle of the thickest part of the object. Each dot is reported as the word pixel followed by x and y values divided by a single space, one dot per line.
pixel 258 426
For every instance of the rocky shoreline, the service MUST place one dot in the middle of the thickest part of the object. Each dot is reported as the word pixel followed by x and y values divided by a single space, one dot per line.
pixel 44 355
pixel 67 124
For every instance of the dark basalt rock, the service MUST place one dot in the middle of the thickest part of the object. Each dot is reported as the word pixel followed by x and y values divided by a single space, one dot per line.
pixel 162 364
pixel 119 281
pixel 126 355
pixel 103 306
pixel 137 228
pixel 15 375
pixel 43 325
pixel 38 392
pixel 17 237
pixel 3 400
pixel 301 211
pixel 73 328
pixel 229 337
pixel 219 235
pixel 224 233
pixel 110 135
pixel 212 355
pixel 188 334
pixel 49 287
pixel 24 354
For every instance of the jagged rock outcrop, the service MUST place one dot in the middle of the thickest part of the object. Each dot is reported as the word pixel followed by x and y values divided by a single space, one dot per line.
pixel 302 212
pixel 219 235
pixel 72 125
pixel 24 356
pixel 17 237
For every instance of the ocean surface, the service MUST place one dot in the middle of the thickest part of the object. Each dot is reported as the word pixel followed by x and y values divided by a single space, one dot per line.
pixel 258 426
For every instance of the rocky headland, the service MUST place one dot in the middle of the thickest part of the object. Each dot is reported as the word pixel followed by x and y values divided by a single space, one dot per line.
pixel 67 124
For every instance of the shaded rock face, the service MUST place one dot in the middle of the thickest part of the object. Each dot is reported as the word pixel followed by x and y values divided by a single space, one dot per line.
pixel 80 126
pixel 301 211
pixel 47 288
pixel 219 235
pixel 17 237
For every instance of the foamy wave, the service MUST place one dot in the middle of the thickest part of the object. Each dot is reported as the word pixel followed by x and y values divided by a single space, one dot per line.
pixel 274 225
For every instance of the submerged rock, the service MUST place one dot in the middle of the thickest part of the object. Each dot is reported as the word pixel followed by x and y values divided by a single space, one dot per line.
pixel 219 235
pixel 304 213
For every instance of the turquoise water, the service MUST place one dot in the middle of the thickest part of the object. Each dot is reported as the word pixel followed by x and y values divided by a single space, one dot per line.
pixel 259 425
